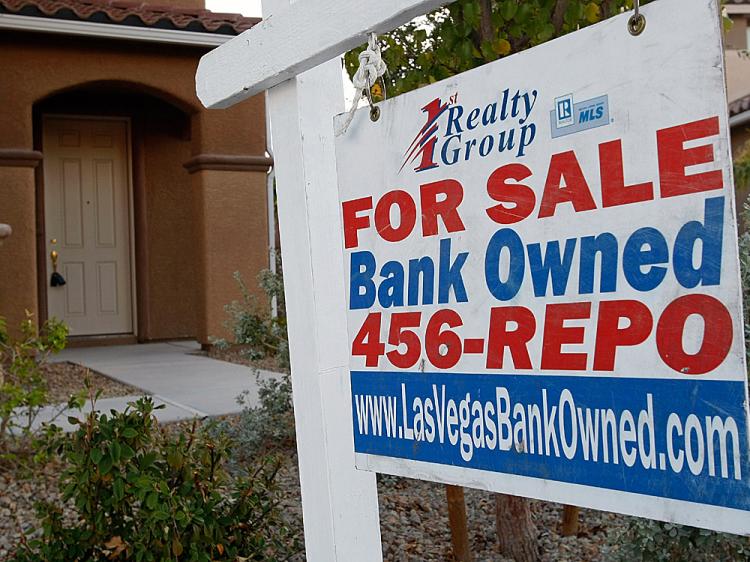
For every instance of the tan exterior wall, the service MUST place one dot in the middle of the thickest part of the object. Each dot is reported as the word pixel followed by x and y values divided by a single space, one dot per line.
pixel 18 275
pixel 231 131
pixel 231 212
pixel 220 213
pixel 172 253
pixel 736 38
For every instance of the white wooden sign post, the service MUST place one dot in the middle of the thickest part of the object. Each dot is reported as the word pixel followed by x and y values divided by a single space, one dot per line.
pixel 295 54
pixel 340 503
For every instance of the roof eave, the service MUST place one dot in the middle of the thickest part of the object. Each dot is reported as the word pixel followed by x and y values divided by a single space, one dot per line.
pixel 112 31
pixel 739 119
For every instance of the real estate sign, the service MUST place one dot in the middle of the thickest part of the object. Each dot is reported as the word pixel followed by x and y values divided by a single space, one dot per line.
pixel 543 288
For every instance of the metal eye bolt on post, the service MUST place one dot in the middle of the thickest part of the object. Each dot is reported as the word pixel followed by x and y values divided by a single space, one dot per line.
pixel 637 22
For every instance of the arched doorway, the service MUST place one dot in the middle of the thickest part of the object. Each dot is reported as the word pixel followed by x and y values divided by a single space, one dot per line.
pixel 114 213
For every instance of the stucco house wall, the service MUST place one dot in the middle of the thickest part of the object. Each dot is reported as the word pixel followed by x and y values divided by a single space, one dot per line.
pixel 202 174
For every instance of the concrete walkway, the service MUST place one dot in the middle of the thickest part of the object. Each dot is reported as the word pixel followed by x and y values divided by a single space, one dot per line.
pixel 174 374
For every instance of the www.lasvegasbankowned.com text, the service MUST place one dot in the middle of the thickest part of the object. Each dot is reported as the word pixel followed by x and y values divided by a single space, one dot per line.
pixel 582 429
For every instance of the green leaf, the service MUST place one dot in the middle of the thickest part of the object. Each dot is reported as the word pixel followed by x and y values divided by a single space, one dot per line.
pixel 129 433
pixel 127 452
pixel 105 464
pixel 487 51
pixel 147 460
pixel 466 49
pixel 546 33
pixel 174 459
pixel 501 47
pixel 118 489
pixel 114 451
pixel 523 13
pixel 508 9
pixel 176 546
pixel 472 13
pixel 592 12
pixel 96 456
pixel 152 500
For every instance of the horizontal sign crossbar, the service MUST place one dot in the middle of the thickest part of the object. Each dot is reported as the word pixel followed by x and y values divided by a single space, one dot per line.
pixel 294 40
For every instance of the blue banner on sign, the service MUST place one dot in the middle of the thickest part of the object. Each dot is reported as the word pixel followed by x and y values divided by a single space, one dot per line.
pixel 676 438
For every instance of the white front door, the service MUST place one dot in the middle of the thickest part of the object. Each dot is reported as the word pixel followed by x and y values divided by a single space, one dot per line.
pixel 87 217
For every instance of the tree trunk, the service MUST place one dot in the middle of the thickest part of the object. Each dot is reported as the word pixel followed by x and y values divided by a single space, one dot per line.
pixel 485 26
pixel 570 521
pixel 558 15
pixel 457 518
pixel 516 532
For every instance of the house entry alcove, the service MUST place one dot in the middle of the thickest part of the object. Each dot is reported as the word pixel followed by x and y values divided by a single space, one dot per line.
pixel 115 210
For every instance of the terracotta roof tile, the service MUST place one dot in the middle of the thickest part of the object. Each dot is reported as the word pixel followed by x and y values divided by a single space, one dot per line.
pixel 124 12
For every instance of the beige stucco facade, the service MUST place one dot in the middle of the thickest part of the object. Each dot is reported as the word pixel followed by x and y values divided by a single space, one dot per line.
pixel 199 209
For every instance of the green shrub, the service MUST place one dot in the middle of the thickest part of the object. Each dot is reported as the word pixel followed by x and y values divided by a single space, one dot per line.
pixel 644 540
pixel 23 387
pixel 142 494
pixel 266 428
pixel 253 326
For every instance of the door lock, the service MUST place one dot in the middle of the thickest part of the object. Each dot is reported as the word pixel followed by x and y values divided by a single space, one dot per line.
pixel 56 280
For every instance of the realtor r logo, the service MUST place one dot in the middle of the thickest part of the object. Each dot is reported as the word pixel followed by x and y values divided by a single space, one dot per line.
pixel 564 107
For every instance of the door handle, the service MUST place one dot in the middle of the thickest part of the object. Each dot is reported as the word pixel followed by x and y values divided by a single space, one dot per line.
pixel 56 280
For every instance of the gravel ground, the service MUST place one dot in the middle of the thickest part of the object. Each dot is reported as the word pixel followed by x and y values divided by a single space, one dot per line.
pixel 414 516
pixel 235 355
pixel 19 494
pixel 414 523
pixel 65 379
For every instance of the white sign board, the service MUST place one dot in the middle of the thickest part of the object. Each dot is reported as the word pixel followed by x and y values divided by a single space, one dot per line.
pixel 542 276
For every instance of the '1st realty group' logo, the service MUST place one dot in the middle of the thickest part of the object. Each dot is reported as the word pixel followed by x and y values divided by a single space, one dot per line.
pixel 454 133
